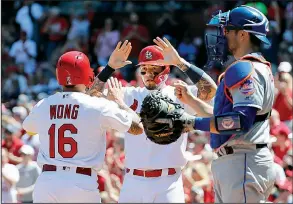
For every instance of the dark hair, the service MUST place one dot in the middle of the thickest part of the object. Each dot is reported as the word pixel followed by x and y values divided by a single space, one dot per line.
pixel 69 86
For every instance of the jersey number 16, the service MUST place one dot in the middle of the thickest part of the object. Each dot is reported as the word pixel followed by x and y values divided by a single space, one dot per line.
pixel 62 141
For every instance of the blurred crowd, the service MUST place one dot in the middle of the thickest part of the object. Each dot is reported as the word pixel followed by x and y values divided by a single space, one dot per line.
pixel 36 33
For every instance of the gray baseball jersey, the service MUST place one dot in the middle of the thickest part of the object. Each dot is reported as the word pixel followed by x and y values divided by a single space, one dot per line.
pixel 256 91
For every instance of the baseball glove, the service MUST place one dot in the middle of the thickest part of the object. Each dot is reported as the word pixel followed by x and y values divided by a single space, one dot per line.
pixel 163 119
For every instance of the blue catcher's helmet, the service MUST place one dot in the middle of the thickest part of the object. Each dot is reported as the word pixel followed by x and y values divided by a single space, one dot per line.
pixel 250 20
pixel 244 18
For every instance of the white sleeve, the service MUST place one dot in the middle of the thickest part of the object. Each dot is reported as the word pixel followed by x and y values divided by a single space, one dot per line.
pixel 11 172
pixel 30 122
pixel 12 50
pixel 32 48
pixel 18 17
pixel 112 117
pixel 37 11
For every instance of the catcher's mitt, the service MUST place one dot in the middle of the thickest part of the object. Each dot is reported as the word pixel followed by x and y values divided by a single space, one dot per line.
pixel 156 107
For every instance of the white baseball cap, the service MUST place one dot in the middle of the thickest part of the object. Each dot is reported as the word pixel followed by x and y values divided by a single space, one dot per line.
pixel 285 67
pixel 19 110
pixel 22 99
pixel 27 150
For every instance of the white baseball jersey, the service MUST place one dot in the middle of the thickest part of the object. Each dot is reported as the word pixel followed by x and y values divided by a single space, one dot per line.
pixel 140 152
pixel 72 127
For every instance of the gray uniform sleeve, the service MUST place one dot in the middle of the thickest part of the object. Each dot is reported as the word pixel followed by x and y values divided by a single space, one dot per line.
pixel 249 93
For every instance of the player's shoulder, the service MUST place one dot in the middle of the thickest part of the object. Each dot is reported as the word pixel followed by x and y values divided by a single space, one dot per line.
pixel 238 72
pixel 39 104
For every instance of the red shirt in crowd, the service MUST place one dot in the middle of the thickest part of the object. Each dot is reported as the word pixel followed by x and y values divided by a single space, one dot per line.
pixel 14 148
pixel 283 107
pixel 209 194
pixel 58 25
pixel 282 152
pixel 137 45
pixel 280 129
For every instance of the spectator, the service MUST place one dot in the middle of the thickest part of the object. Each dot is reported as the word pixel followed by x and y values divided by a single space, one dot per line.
pixel 166 24
pixel 28 172
pixel 284 98
pixel 106 42
pixel 56 27
pixel 24 51
pixel 33 141
pixel 10 176
pixel 12 144
pixel 19 113
pixel 280 174
pixel 14 84
pixel 79 27
pixel 281 132
pixel 138 35
pixel 28 17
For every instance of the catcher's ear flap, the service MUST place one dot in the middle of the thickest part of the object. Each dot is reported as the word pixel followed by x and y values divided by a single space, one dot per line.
pixel 165 121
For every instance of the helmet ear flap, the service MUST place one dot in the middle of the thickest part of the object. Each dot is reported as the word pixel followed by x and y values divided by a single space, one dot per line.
pixel 162 76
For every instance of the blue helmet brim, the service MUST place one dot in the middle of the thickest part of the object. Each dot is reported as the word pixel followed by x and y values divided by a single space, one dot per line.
pixel 264 39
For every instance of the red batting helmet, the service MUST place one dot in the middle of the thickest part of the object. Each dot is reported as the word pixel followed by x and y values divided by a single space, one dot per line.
pixel 149 55
pixel 74 68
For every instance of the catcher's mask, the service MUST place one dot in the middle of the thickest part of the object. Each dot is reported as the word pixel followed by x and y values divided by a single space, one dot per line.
pixel 148 63
pixel 73 68
pixel 215 40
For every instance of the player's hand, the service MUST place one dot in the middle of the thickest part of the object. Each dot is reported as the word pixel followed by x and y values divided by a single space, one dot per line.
pixel 182 91
pixel 115 91
pixel 171 56
pixel 119 56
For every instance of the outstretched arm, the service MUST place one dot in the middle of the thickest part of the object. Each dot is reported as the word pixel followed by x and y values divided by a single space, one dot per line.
pixel 117 60
pixel 116 94
pixel 183 93
pixel 206 85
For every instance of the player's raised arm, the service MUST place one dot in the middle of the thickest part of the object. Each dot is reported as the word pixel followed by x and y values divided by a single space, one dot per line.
pixel 118 59
pixel 122 112
pixel 206 85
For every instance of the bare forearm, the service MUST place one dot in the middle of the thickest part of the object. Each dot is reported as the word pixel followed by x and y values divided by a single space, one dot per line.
pixel 206 85
pixel 206 88
pixel 200 107
pixel 136 127
pixel 15 159
pixel 98 85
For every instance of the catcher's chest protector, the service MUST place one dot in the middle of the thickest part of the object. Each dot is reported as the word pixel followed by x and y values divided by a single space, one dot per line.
pixel 224 101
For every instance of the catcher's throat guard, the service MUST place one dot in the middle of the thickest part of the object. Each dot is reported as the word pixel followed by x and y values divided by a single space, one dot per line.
pixel 229 123
pixel 215 40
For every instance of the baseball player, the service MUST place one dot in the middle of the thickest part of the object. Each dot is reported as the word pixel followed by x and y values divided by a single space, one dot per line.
pixel 153 172
pixel 239 122
pixel 71 126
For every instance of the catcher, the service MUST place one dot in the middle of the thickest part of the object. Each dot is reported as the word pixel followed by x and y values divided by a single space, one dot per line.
pixel 238 122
